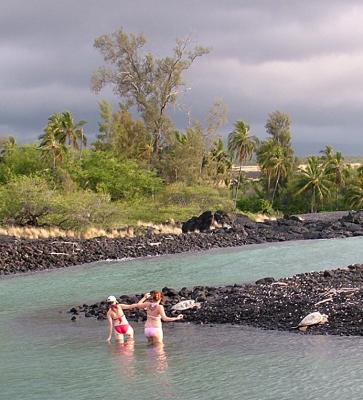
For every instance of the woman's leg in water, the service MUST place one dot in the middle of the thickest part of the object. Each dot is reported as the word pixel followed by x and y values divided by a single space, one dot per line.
pixel 130 333
pixel 119 337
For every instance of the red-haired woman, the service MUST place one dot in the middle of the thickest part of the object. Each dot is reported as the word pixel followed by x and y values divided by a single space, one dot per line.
pixel 155 314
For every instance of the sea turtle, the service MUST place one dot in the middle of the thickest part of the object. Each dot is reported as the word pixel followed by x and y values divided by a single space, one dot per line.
pixel 314 318
pixel 185 305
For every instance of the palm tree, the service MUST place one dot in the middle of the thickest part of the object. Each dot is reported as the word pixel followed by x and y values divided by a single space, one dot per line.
pixel 315 181
pixel 328 154
pixel 339 171
pixel 221 159
pixel 355 194
pixel 279 167
pixel 276 163
pixel 60 129
pixel 241 146
pixel 50 146
pixel 71 131
pixel 263 159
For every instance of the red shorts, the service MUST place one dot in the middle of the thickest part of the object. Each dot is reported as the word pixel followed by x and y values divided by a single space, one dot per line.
pixel 122 329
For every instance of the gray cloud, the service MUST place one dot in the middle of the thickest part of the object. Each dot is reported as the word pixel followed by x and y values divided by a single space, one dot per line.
pixel 304 58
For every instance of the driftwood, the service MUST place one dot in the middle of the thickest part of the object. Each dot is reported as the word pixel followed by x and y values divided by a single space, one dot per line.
pixel 329 294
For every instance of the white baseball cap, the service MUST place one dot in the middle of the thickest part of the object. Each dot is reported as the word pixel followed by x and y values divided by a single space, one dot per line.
pixel 111 299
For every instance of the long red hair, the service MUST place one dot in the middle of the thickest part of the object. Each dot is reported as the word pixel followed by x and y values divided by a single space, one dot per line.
pixel 156 295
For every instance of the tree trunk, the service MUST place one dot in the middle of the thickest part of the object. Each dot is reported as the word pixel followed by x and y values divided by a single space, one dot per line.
pixel 275 188
pixel 238 182
pixel 312 208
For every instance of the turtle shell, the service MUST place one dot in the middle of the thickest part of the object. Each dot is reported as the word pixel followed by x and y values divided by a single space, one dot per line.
pixel 185 305
pixel 313 319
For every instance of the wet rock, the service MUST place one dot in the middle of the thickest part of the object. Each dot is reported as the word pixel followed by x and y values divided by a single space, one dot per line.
pixel 265 281
pixel 276 304
pixel 169 292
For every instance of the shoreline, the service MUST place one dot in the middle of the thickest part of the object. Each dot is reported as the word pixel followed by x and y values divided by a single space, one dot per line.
pixel 30 255
pixel 265 304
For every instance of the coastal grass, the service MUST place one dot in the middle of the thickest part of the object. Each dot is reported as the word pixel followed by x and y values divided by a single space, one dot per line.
pixel 162 213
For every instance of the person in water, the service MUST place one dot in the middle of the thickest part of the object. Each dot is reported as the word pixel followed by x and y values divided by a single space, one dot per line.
pixel 155 314
pixel 117 321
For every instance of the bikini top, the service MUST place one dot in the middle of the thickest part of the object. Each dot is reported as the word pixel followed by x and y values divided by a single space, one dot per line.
pixel 120 317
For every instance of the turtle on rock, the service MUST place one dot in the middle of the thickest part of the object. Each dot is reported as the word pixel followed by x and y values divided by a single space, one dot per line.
pixel 185 305
pixel 314 318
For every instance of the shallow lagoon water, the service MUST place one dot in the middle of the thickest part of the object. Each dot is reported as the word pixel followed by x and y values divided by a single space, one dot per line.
pixel 46 356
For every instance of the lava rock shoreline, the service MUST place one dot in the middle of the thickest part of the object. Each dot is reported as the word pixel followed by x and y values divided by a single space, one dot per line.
pixel 216 230
pixel 267 304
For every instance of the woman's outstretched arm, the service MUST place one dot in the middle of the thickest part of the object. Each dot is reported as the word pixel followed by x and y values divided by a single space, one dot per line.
pixel 135 305
pixel 165 318
pixel 139 304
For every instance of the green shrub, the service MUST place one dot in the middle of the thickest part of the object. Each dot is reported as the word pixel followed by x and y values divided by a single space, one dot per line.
pixel 25 200
pixel 255 205
pixel 178 202
pixel 82 209
pixel 21 160
pixel 29 200
pixel 101 172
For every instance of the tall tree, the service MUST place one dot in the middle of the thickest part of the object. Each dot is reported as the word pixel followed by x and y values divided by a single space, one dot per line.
pixel 142 80
pixel 182 159
pixel 275 155
pixel 278 126
pixel 216 118
pixel 354 196
pixel 51 147
pixel 125 137
pixel 241 145
pixel 217 164
pixel 337 169
pixel 61 128
pixel 71 131
pixel 314 181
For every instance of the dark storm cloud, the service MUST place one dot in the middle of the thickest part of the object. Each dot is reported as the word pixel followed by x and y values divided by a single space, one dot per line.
pixel 304 58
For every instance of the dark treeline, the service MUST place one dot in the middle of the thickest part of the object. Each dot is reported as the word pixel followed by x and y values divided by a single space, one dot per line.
pixel 141 167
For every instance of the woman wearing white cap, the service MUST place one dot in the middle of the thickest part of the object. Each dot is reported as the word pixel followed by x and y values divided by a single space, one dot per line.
pixel 117 320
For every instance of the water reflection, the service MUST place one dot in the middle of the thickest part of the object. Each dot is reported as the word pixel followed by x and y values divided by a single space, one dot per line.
pixel 124 358
pixel 157 357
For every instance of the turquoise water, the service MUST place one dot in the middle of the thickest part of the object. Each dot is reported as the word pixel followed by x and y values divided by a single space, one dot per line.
pixel 45 356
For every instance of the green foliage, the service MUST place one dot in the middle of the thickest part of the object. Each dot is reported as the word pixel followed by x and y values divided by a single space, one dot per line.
pixel 142 80
pixel 255 205
pixel 123 136
pixel 178 202
pixel 275 156
pixel 182 160
pixel 241 146
pixel 80 210
pixel 60 131
pixel 315 182
pixel 29 200
pixel 21 160
pixel 217 164
pixel 25 200
pixel 102 172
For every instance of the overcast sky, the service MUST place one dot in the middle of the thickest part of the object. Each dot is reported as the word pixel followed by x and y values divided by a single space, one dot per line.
pixel 304 58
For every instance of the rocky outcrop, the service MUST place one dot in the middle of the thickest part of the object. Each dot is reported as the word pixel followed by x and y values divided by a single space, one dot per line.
pixel 267 304
pixel 216 230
